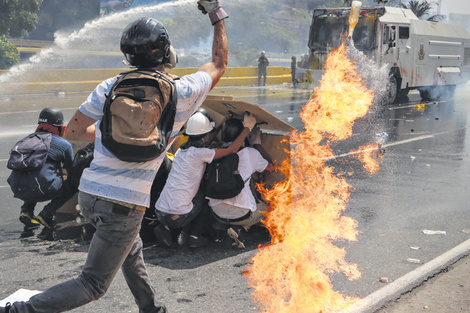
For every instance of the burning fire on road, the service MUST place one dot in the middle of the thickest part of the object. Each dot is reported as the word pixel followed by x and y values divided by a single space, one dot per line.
pixel 305 217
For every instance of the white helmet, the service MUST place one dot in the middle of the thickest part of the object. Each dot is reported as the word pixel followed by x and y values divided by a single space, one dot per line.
pixel 198 124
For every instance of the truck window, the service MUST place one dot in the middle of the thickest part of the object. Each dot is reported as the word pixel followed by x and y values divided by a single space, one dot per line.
pixel 389 34
pixel 327 29
pixel 403 32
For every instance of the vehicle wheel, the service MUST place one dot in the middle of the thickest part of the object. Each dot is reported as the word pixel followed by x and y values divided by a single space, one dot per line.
pixel 402 93
pixel 392 89
pixel 448 92
pixel 435 93
pixel 430 93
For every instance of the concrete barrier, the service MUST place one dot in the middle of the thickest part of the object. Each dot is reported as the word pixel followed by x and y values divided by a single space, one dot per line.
pixel 73 80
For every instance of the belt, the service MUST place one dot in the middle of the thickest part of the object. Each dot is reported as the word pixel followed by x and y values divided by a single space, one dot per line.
pixel 233 220
pixel 173 216
pixel 125 204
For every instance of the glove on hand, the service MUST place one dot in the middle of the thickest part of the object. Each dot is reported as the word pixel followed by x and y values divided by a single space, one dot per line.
pixel 216 13
pixel 255 136
pixel 249 121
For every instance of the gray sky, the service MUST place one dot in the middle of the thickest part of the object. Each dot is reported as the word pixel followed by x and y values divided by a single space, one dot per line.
pixel 454 6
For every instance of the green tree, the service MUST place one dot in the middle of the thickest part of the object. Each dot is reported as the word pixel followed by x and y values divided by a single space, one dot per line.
pixel 17 18
pixel 9 54
pixel 63 15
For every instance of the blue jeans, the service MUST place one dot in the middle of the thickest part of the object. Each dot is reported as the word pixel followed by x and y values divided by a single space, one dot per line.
pixel 115 244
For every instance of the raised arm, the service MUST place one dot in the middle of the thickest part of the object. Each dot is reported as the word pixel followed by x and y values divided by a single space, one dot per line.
pixel 216 68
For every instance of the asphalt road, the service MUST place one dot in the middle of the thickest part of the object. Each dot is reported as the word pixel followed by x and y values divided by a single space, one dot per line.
pixel 422 185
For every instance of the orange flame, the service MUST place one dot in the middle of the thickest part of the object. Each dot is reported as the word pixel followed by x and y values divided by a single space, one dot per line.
pixel 304 219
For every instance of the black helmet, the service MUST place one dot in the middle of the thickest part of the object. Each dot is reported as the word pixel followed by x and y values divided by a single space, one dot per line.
pixel 52 117
pixel 145 43
pixel 231 129
pixel 204 111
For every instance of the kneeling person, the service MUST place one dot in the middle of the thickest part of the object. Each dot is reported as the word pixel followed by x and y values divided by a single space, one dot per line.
pixel 241 210
pixel 47 182
pixel 182 201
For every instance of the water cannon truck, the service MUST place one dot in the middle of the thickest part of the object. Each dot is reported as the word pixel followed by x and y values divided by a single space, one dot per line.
pixel 428 56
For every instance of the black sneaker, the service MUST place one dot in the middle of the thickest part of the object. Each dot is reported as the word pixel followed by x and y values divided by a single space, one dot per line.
pixel 28 220
pixel 46 234
pixel 164 236
pixel 197 241
pixel 46 221
pixel 27 232
pixel 236 235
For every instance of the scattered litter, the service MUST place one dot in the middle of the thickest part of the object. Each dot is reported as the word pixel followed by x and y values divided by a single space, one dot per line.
pixel 428 165
pixel 415 248
pixel 420 106
pixel 409 121
pixel 410 260
pixel 412 130
pixel 434 232
pixel 290 119
pixel 384 280
pixel 381 138
pixel 436 118
pixel 412 157
pixel 467 231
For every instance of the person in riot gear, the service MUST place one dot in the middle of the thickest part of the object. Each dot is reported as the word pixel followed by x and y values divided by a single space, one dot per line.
pixel 113 194
pixel 47 183
pixel 263 64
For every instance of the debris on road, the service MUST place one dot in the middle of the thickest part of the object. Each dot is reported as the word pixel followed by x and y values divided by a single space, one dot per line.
pixel 434 232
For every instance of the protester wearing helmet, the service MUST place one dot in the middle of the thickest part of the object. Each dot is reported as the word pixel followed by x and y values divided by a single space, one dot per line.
pixel 182 201
pixel 113 194
pixel 240 212
pixel 47 183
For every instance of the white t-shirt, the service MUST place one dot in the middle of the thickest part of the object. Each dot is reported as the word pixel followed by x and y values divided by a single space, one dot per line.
pixel 250 161
pixel 131 181
pixel 184 180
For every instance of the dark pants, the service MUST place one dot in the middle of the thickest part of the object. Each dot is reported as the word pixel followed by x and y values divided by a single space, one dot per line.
pixel 262 72
pixel 116 244
pixel 198 218
pixel 63 195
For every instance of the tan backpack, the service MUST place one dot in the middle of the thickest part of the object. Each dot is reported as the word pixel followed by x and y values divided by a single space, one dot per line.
pixel 139 113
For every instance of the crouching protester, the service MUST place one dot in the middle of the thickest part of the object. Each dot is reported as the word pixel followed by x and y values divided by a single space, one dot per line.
pixel 240 212
pixel 42 180
pixel 182 202
pixel 114 193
